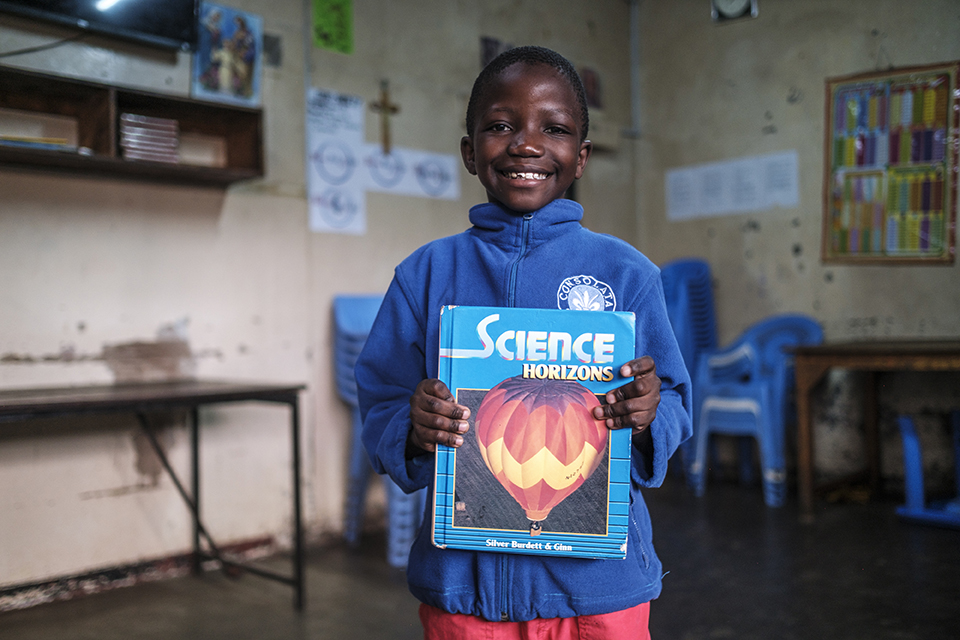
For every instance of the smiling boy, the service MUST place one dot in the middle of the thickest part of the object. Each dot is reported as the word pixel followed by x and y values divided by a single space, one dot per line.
pixel 527 123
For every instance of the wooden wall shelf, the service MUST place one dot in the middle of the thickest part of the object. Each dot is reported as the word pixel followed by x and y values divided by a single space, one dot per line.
pixel 96 108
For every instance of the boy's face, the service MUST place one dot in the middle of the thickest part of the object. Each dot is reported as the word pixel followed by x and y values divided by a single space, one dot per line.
pixel 525 147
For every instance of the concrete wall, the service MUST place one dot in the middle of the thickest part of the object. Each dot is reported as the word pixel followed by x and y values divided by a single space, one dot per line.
pixel 94 266
pixel 713 92
pixel 722 91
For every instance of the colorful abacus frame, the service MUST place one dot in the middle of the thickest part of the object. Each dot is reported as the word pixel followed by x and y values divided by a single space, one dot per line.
pixel 890 166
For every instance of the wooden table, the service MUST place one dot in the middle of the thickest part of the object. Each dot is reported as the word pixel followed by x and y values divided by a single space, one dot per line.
pixel 141 399
pixel 811 363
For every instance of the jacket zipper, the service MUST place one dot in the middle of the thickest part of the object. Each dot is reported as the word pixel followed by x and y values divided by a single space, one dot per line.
pixel 512 302
pixel 524 233
pixel 504 615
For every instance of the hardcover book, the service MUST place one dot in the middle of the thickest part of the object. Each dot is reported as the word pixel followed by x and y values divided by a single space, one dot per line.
pixel 536 473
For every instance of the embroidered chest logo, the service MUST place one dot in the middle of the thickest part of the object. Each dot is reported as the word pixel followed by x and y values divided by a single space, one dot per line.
pixel 586 293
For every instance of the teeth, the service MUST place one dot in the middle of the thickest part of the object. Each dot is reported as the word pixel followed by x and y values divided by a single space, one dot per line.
pixel 515 175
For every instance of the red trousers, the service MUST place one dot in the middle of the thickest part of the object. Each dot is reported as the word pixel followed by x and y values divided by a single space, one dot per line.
pixel 629 624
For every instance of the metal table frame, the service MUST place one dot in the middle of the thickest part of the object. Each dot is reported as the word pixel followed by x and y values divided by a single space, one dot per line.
pixel 144 398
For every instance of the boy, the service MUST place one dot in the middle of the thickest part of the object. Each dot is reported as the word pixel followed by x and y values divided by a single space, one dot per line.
pixel 526 141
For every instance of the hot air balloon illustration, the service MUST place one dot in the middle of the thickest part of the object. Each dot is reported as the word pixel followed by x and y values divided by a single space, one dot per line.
pixel 540 440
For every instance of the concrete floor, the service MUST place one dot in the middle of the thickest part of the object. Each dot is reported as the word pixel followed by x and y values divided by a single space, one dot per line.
pixel 736 570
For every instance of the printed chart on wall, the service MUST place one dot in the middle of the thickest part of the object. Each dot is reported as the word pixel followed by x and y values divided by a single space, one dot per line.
pixel 890 187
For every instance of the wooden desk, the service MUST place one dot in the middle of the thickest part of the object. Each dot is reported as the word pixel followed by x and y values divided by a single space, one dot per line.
pixel 811 363
pixel 141 399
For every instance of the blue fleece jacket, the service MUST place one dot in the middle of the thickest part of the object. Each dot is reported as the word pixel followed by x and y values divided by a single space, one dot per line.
pixel 544 259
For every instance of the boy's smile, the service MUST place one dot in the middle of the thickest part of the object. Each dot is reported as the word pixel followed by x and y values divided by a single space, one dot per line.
pixel 526 147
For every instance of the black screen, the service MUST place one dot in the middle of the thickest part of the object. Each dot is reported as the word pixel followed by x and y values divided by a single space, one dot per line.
pixel 164 23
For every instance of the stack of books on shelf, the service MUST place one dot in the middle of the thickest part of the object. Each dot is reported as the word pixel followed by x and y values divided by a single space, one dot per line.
pixel 149 138
pixel 36 142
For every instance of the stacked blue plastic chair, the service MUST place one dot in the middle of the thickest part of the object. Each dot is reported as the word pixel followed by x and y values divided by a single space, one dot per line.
pixel 744 390
pixel 688 292
pixel 353 317
pixel 945 513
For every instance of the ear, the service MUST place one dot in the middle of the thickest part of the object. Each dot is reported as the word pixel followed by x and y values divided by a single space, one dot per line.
pixel 466 151
pixel 586 148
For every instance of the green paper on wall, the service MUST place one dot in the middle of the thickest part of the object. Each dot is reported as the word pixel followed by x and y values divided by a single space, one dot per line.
pixel 333 25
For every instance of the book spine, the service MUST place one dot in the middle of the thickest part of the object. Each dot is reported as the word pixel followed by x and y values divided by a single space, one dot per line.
pixel 148 122
pixel 443 478
pixel 30 144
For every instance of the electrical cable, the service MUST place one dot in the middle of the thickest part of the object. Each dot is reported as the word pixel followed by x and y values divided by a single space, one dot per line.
pixel 43 47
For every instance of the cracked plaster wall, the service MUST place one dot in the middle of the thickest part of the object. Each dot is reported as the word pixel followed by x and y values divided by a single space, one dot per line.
pixel 715 92
pixel 101 274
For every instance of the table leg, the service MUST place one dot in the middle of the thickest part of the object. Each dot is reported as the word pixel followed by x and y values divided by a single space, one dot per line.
pixel 297 515
pixel 807 375
pixel 187 499
pixel 195 482
pixel 872 430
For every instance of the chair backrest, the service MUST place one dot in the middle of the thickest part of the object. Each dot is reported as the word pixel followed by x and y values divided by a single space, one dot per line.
pixel 353 316
pixel 771 339
pixel 688 291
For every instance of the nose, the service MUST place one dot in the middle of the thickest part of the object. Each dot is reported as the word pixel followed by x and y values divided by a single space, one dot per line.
pixel 526 143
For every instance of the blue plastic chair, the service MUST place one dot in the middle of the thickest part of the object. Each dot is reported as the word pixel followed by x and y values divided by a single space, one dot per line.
pixel 353 317
pixel 744 390
pixel 688 293
pixel 945 513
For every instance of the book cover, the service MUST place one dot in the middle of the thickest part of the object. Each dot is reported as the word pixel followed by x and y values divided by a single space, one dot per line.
pixel 536 474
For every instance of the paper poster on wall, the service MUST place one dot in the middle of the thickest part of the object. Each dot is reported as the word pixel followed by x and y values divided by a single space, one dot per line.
pixel 341 167
pixel 336 181
pixel 412 172
pixel 333 25
pixel 227 64
pixel 752 183
pixel 890 166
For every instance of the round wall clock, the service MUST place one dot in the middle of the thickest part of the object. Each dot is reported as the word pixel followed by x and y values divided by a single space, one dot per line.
pixel 730 9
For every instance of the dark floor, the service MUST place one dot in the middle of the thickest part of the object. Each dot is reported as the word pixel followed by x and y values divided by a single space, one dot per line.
pixel 736 570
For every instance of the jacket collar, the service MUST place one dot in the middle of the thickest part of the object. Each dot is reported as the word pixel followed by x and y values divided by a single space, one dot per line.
pixel 497 224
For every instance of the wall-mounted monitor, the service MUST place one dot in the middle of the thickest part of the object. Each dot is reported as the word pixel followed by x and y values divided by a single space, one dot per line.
pixel 171 24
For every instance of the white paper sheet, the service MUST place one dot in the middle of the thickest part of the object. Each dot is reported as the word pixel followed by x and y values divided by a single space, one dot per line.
pixel 341 167
pixel 753 183
pixel 336 180
pixel 412 172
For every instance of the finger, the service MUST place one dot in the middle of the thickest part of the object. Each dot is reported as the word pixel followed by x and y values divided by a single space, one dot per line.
pixel 432 421
pixel 637 410
pixel 448 410
pixel 428 439
pixel 436 388
pixel 639 367
pixel 636 420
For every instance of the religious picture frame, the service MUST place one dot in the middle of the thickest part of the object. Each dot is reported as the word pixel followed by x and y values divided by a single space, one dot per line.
pixel 228 62
pixel 890 166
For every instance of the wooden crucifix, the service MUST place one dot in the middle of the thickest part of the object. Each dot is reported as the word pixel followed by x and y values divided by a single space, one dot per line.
pixel 386 109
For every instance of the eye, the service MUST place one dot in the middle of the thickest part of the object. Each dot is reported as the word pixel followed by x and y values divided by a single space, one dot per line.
pixel 498 126
pixel 557 130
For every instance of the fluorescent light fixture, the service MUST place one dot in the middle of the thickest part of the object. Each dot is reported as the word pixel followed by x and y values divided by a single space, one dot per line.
pixel 103 5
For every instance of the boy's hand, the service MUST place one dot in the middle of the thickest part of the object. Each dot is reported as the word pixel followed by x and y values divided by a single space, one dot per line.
pixel 634 404
pixel 435 418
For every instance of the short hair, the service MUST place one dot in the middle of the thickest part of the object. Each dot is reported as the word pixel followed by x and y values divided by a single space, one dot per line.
pixel 529 55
